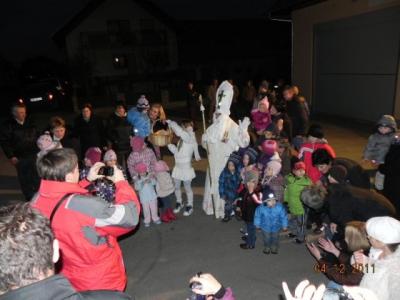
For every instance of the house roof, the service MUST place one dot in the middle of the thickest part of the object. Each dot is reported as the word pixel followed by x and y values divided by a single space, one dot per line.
pixel 59 36
pixel 283 8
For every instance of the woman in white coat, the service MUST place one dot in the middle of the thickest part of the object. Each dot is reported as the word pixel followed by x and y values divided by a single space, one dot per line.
pixel 382 267
pixel 221 138
pixel 183 170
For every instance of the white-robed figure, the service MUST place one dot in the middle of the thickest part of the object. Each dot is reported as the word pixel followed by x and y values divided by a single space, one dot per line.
pixel 183 171
pixel 221 138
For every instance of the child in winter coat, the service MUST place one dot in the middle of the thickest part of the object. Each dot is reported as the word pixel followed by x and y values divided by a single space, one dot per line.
pixel 183 170
pixel 145 185
pixel 165 189
pixel 139 119
pixel 271 217
pixel 274 180
pixel 379 142
pixel 295 183
pixel 228 185
pixel 249 161
pixel 247 206
pixel 261 117
pixel 269 150
pixel 140 154
pixel 315 140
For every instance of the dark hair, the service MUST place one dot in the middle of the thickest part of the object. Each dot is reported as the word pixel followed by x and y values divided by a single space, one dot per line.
pixel 287 88
pixel 56 164
pixel 26 246
pixel 87 105
pixel 121 103
pixel 393 247
pixel 315 130
pixel 321 157
pixel 186 123
pixel 57 122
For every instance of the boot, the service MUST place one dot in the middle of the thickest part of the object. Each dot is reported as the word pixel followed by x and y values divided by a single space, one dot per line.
pixel 170 214
pixel 164 217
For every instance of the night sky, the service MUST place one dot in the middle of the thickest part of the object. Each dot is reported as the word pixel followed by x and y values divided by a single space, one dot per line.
pixel 26 26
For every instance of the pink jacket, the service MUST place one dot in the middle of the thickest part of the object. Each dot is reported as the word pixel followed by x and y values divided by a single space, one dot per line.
pixel 260 120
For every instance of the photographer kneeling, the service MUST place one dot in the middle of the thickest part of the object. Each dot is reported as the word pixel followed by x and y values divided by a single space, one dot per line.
pixel 86 226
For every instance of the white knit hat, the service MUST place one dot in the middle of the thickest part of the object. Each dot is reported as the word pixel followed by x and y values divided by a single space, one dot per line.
pixel 109 155
pixel 224 98
pixel 384 229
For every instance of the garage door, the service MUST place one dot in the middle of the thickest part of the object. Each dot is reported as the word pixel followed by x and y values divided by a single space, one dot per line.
pixel 355 65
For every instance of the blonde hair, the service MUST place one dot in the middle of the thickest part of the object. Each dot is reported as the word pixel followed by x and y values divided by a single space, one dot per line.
pixel 356 236
pixel 161 113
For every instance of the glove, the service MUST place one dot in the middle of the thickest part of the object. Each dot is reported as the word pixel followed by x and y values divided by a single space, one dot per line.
pixel 168 121
pixel 94 172
pixel 117 176
pixel 202 108
pixel 243 125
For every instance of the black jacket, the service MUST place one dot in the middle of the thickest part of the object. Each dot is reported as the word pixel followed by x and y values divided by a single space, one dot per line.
pixel 70 141
pixel 118 133
pixel 248 206
pixel 19 140
pixel 58 287
pixel 91 133
pixel 347 203
pixel 391 170
pixel 298 116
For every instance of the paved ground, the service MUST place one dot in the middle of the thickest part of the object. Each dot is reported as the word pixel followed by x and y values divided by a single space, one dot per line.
pixel 161 259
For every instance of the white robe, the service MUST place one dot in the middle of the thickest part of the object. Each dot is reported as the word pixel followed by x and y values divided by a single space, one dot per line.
pixel 218 154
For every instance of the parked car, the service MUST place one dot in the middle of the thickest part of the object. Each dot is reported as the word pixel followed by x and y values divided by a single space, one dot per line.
pixel 49 93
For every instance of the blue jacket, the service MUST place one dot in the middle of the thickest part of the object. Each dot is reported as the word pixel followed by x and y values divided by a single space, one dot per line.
pixel 140 122
pixel 271 219
pixel 228 184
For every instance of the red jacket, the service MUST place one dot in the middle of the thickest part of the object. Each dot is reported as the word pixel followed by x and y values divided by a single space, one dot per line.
pixel 305 154
pixel 87 228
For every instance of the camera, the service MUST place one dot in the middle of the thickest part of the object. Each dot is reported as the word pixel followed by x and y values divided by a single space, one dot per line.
pixel 106 171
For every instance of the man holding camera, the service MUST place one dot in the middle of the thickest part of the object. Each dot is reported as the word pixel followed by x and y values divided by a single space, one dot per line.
pixel 86 226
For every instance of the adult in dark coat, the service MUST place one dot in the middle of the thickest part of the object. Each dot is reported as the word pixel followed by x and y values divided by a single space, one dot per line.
pixel 391 170
pixel 355 174
pixel 118 132
pixel 61 133
pixel 18 140
pixel 192 101
pixel 89 129
pixel 297 113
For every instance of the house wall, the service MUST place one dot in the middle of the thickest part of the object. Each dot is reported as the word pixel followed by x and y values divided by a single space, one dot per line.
pixel 96 23
pixel 304 21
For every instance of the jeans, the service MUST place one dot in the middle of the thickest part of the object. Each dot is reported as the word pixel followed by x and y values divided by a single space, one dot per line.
pixel 271 240
pixel 297 226
pixel 251 237
pixel 228 207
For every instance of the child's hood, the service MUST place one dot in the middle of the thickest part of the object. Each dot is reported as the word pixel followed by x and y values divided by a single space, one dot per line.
pixel 389 121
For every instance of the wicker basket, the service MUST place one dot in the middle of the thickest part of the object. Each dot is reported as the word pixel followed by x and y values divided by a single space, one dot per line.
pixel 161 138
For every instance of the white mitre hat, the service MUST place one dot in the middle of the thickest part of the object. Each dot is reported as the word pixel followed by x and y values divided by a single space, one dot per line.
pixel 224 98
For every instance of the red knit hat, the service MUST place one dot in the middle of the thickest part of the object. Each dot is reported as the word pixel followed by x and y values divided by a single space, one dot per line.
pixel 269 147
pixel 93 154
pixel 299 166
pixel 137 143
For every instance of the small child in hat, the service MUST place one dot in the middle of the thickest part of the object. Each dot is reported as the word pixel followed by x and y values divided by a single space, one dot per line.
pixel 140 154
pixel 165 189
pixel 269 151
pixel 295 183
pixel 139 119
pixel 92 156
pixel 247 206
pixel 273 179
pixel 261 117
pixel 145 185
pixel 228 184
pixel 45 143
pixel 271 218
pixel 249 161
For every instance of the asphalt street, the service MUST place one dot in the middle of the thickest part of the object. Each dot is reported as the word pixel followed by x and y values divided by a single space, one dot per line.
pixel 161 259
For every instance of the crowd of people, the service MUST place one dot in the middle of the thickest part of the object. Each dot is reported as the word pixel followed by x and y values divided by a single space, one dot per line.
pixel 268 166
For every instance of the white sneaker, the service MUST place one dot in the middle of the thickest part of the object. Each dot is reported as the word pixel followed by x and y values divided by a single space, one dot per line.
pixel 178 208
pixel 188 211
